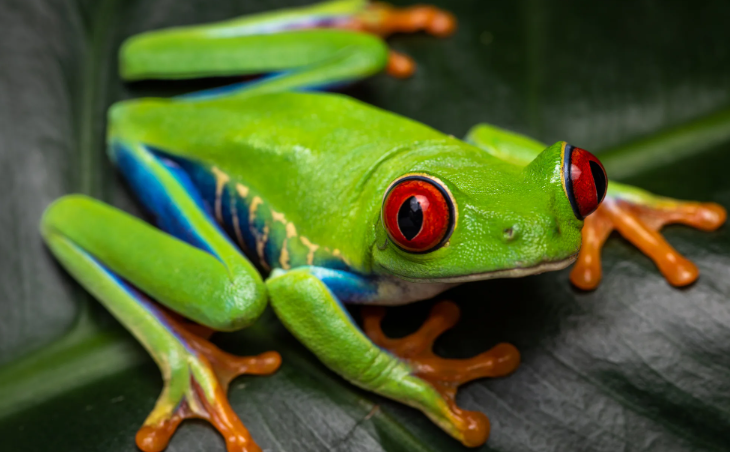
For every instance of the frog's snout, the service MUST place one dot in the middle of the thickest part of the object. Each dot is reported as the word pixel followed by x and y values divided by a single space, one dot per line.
pixel 532 238
pixel 529 228
pixel 509 234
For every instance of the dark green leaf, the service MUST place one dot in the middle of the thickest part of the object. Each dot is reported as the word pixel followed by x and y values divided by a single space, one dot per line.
pixel 634 366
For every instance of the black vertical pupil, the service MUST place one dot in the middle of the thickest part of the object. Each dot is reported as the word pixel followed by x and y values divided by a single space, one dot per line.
pixel 599 180
pixel 410 218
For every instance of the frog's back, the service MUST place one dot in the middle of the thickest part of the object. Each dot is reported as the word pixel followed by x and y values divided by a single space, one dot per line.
pixel 305 155
pixel 284 131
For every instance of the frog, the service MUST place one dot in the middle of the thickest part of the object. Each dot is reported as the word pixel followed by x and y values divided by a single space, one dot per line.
pixel 273 191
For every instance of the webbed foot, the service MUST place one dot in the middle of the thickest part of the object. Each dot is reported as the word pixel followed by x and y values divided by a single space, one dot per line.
pixel 445 375
pixel 638 217
pixel 196 375
pixel 384 20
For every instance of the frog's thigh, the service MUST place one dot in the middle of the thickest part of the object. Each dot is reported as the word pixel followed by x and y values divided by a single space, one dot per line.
pixel 301 59
pixel 311 310
pixel 205 278
pixel 184 278
pixel 103 248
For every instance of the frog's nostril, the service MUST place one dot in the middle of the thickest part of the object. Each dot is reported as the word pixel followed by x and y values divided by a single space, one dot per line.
pixel 509 234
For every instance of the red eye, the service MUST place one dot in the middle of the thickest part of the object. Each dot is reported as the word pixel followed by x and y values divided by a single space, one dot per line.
pixel 418 214
pixel 585 180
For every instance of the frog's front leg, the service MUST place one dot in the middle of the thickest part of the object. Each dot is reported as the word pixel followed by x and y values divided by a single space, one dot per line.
pixel 308 301
pixel 636 214
pixel 196 272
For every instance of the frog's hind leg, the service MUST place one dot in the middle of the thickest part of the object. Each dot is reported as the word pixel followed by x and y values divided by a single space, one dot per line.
pixel 384 20
pixel 107 250
pixel 295 60
pixel 193 269
pixel 316 47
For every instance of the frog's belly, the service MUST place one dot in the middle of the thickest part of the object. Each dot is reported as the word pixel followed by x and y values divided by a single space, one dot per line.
pixel 394 291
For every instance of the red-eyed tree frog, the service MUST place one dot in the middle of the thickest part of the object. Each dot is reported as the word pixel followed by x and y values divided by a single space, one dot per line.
pixel 333 201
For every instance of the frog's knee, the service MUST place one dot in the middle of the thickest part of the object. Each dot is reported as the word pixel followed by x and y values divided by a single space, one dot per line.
pixel 245 303
pixel 374 53
pixel 63 212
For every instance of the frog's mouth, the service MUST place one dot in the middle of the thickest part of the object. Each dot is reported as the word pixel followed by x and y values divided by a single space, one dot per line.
pixel 508 273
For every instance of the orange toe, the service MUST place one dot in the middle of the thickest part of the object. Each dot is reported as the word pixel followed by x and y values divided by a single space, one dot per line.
pixel 446 375
pixel 400 65
pixel 640 223
pixel 196 388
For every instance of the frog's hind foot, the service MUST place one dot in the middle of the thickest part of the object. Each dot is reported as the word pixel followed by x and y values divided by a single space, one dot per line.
pixel 639 221
pixel 384 20
pixel 196 382
pixel 445 375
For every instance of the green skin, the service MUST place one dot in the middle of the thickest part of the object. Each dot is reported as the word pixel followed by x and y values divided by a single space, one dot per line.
pixel 314 169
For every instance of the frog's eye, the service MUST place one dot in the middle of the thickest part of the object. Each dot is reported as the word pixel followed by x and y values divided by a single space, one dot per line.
pixel 585 180
pixel 418 214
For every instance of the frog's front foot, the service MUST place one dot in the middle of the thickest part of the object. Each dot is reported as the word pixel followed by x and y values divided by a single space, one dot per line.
pixel 445 375
pixel 196 375
pixel 384 20
pixel 638 218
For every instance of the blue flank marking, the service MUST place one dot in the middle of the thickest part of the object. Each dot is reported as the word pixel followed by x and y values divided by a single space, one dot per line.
pixel 280 25
pixel 184 180
pixel 327 86
pixel 201 183
pixel 222 91
pixel 242 210
pixel 153 195
pixel 346 286
pixel 343 286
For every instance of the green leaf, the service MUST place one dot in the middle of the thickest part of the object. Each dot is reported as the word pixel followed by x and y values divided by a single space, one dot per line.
pixel 635 365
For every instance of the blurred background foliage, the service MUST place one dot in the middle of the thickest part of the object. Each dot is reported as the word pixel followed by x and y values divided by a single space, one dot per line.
pixel 634 366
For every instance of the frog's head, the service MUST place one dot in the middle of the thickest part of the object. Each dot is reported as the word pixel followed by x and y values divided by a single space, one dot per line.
pixel 463 216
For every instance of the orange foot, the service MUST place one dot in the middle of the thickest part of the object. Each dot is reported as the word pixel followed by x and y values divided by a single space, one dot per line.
pixel 445 375
pixel 384 20
pixel 639 222
pixel 196 382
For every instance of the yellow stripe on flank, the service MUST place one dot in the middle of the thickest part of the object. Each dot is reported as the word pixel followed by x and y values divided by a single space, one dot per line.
pixel 276 216
pixel 284 257
pixel 291 231
pixel 221 179
pixel 312 248
pixel 262 238
pixel 338 254
pixel 257 201
pixel 242 190
pixel 260 243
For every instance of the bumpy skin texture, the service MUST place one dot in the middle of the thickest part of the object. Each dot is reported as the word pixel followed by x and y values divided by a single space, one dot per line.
pixel 347 154
pixel 252 175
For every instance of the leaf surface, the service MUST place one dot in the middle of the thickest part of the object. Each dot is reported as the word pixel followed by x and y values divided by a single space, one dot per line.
pixel 634 366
